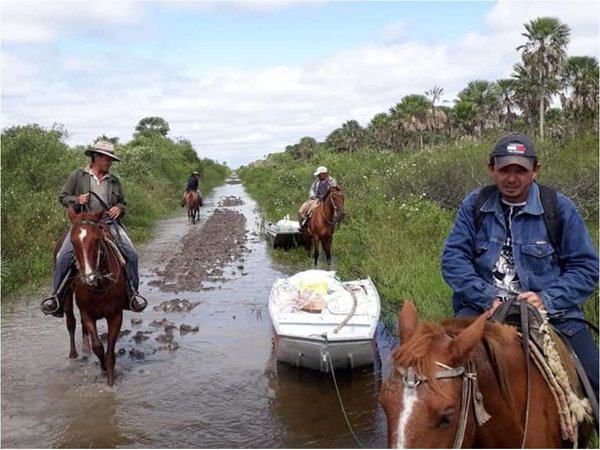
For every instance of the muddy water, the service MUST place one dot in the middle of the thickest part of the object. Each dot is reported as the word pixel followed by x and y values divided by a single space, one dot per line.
pixel 220 387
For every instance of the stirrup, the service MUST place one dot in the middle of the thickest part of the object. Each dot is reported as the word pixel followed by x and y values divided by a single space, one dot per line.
pixel 135 298
pixel 45 304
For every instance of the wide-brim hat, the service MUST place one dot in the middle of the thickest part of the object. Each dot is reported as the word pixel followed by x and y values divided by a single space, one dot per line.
pixel 104 148
pixel 195 172
pixel 320 170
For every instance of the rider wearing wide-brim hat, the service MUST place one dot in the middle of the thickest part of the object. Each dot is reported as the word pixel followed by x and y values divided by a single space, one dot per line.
pixel 95 188
pixel 318 189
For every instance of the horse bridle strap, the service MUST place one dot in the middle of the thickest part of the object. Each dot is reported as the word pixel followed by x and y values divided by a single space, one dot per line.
pixel 335 209
pixel 470 390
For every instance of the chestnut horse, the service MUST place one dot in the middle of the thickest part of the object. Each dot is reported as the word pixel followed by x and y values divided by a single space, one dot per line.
pixel 99 286
pixel 321 224
pixel 193 202
pixel 462 382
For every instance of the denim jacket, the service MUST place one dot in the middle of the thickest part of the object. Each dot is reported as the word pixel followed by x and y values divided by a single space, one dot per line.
pixel 564 283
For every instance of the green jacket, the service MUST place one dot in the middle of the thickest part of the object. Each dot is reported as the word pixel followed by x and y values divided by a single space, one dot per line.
pixel 79 183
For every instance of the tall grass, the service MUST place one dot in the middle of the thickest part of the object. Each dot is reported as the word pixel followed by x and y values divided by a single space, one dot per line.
pixel 401 206
pixel 35 164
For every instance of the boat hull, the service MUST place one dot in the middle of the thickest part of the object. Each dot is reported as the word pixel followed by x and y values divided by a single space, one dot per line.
pixel 321 355
pixel 283 239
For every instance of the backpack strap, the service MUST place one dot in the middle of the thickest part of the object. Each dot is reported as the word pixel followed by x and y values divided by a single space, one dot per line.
pixel 552 219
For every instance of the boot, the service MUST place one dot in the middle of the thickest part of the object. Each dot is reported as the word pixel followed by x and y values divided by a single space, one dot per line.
pixel 53 305
pixel 137 303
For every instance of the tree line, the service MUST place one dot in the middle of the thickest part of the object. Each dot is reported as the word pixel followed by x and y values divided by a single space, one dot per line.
pixel 483 108
pixel 36 162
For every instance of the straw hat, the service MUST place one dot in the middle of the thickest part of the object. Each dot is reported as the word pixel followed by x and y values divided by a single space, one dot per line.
pixel 104 148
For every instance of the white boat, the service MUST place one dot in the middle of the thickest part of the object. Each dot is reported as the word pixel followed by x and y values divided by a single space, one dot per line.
pixel 321 322
pixel 284 233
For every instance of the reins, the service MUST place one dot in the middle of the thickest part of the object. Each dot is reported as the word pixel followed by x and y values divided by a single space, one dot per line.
pixel 335 210
pixel 107 247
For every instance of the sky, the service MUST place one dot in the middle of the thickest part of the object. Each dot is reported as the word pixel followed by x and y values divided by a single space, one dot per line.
pixel 243 79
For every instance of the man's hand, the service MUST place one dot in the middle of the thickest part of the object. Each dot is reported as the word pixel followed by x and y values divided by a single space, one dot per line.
pixel 533 298
pixel 83 199
pixel 114 212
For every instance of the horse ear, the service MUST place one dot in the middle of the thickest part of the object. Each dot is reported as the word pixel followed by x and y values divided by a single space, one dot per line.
pixel 465 342
pixel 407 321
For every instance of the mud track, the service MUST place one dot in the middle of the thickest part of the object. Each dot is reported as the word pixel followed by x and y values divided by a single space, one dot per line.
pixel 205 251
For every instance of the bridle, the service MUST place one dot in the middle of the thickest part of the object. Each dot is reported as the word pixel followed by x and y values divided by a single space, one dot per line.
pixel 470 391
pixel 337 215
pixel 106 247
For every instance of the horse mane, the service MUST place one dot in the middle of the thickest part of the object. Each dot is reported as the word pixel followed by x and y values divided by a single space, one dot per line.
pixel 496 337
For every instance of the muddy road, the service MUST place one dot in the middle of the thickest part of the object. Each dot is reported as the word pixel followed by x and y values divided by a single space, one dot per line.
pixel 194 370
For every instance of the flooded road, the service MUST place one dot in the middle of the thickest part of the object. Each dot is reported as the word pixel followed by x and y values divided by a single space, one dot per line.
pixel 217 387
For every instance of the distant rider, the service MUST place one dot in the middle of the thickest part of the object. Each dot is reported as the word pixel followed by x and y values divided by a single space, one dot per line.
pixel 318 190
pixel 192 185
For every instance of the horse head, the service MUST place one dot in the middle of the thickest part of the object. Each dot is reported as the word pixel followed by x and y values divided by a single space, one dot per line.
pixel 336 197
pixel 87 234
pixel 424 389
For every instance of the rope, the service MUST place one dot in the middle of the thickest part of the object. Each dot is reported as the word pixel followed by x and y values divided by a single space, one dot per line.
pixel 350 314
pixel 337 391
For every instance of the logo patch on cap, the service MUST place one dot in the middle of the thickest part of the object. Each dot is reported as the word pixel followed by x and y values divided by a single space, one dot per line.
pixel 516 148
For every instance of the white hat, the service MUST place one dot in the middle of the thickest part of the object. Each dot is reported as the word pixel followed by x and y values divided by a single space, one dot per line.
pixel 320 170
pixel 104 148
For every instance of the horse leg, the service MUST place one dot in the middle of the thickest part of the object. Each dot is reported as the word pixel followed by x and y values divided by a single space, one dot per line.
pixel 86 345
pixel 326 242
pixel 71 324
pixel 92 332
pixel 114 326
pixel 316 249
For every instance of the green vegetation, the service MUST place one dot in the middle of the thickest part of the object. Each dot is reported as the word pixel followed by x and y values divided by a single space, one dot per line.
pixel 36 163
pixel 400 208
pixel 407 171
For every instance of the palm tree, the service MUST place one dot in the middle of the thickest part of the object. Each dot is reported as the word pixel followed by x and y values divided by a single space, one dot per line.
pixel 506 91
pixel 379 131
pixel 412 115
pixel 580 89
pixel 526 96
pixel 543 56
pixel 152 125
pixel 353 135
pixel 438 117
pixel 485 97
pixel 349 138
pixel 464 116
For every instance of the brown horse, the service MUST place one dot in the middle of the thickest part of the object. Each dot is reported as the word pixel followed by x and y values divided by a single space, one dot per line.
pixel 193 202
pixel 99 286
pixel 448 376
pixel 321 224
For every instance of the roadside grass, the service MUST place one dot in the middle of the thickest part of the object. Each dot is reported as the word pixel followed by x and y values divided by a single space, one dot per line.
pixel 400 208
pixel 35 165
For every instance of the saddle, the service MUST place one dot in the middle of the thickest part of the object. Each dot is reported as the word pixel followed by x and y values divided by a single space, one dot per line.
pixel 529 322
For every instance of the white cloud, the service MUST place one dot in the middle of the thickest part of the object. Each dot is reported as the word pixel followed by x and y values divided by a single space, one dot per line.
pixel 239 116
pixel 43 22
